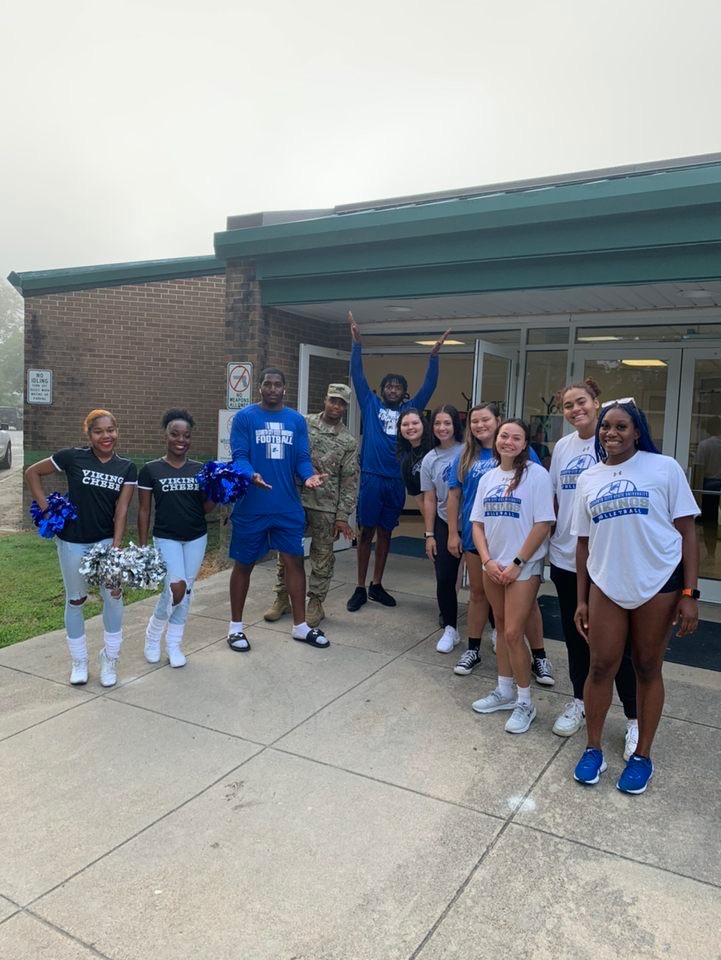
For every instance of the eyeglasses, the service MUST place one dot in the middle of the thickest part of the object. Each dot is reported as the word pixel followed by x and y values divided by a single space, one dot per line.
pixel 621 400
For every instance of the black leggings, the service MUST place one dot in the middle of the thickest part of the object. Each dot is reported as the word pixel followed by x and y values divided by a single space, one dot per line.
pixel 578 652
pixel 446 575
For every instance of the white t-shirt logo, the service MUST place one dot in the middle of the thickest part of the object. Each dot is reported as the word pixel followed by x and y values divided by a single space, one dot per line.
pixel 574 468
pixel 497 504
pixel 618 499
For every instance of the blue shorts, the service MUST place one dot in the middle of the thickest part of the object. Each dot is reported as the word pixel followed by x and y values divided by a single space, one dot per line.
pixel 255 534
pixel 380 501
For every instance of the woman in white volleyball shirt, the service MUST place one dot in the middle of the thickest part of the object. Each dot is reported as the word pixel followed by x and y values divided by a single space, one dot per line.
pixel 512 518
pixel 572 456
pixel 637 569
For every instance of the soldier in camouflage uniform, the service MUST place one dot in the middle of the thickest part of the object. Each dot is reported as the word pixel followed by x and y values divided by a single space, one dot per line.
pixel 334 452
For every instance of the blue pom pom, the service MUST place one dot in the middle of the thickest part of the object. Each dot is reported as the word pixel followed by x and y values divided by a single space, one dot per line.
pixel 222 482
pixel 51 521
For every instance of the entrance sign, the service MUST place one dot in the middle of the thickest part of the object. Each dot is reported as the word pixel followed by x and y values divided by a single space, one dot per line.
pixel 40 386
pixel 239 384
pixel 225 422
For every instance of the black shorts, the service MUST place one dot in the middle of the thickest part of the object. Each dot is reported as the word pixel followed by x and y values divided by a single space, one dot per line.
pixel 674 582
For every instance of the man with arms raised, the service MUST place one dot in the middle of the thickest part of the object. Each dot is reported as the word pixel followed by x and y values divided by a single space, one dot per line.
pixel 382 494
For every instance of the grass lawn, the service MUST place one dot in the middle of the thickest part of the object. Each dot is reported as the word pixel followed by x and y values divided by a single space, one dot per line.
pixel 32 599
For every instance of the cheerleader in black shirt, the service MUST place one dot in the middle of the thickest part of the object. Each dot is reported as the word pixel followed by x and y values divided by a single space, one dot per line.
pixel 180 532
pixel 101 485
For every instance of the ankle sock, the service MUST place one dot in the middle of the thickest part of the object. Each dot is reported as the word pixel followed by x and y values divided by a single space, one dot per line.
pixel 539 653
pixel 300 631
pixel 474 643
pixel 505 687
pixel 235 626
pixel 524 695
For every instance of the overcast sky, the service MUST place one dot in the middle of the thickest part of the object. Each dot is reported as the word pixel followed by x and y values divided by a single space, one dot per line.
pixel 133 128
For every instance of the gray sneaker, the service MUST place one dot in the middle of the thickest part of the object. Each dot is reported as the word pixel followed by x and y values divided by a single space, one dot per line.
pixel 494 701
pixel 521 719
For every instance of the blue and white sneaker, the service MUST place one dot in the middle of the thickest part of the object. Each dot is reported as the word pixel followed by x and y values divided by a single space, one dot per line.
pixel 590 767
pixel 635 778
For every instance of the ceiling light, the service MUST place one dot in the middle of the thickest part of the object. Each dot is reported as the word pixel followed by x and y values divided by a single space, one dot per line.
pixel 446 343
pixel 698 294
pixel 644 363
pixel 597 339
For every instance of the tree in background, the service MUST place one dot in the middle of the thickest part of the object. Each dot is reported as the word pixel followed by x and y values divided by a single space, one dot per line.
pixel 11 347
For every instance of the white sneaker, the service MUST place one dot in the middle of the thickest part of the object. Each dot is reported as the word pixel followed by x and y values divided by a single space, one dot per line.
pixel 571 720
pixel 494 639
pixel 108 670
pixel 79 673
pixel 494 701
pixel 152 649
pixel 448 641
pixel 631 742
pixel 521 719
pixel 176 657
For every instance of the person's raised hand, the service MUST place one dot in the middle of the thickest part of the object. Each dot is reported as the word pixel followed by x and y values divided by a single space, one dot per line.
pixel 354 328
pixel 439 343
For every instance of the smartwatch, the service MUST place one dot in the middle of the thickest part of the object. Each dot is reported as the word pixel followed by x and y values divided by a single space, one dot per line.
pixel 518 562
pixel 691 592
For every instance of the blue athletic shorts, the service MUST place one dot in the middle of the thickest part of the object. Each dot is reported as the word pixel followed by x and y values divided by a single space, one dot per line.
pixel 380 501
pixel 255 534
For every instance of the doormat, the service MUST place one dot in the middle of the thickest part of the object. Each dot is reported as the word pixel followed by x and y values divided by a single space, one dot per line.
pixel 702 649
pixel 408 547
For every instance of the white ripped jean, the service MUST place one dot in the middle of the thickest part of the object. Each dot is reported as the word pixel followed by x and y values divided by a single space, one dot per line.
pixel 76 588
pixel 183 559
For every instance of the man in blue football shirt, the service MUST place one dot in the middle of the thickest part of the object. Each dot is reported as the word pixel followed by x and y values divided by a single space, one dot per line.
pixel 271 439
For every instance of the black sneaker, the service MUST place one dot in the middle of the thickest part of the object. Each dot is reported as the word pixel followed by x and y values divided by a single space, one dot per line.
pixel 469 660
pixel 377 593
pixel 543 671
pixel 357 600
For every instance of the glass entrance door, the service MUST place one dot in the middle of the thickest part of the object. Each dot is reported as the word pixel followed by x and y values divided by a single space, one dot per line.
pixel 698 450
pixel 495 376
pixel 650 376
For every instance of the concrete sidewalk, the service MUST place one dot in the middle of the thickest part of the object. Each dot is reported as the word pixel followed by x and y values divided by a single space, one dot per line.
pixel 339 805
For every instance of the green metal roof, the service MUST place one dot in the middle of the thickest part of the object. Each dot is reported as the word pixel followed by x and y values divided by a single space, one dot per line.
pixel 35 283
pixel 640 225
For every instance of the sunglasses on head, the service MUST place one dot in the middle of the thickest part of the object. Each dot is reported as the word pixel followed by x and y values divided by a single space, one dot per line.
pixel 620 401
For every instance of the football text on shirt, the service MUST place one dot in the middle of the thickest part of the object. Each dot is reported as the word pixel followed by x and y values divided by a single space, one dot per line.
pixel 275 437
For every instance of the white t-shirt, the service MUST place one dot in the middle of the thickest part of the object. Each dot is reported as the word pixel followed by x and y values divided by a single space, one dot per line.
pixel 435 472
pixel 507 519
pixel 571 457
pixel 627 512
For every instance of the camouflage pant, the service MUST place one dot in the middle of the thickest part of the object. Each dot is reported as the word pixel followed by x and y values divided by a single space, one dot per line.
pixel 320 528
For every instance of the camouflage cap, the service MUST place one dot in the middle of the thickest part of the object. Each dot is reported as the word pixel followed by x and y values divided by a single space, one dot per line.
pixel 339 390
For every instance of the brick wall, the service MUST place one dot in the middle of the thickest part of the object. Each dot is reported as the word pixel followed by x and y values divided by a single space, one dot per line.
pixel 135 350
pixel 271 337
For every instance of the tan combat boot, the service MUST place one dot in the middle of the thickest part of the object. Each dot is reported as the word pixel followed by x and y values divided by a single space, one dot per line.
pixel 314 612
pixel 281 606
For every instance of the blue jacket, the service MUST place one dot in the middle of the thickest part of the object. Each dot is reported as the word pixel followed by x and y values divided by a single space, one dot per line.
pixel 380 422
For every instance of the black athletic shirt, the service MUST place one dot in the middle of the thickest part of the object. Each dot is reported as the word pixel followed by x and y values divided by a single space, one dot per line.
pixel 94 488
pixel 411 469
pixel 178 501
